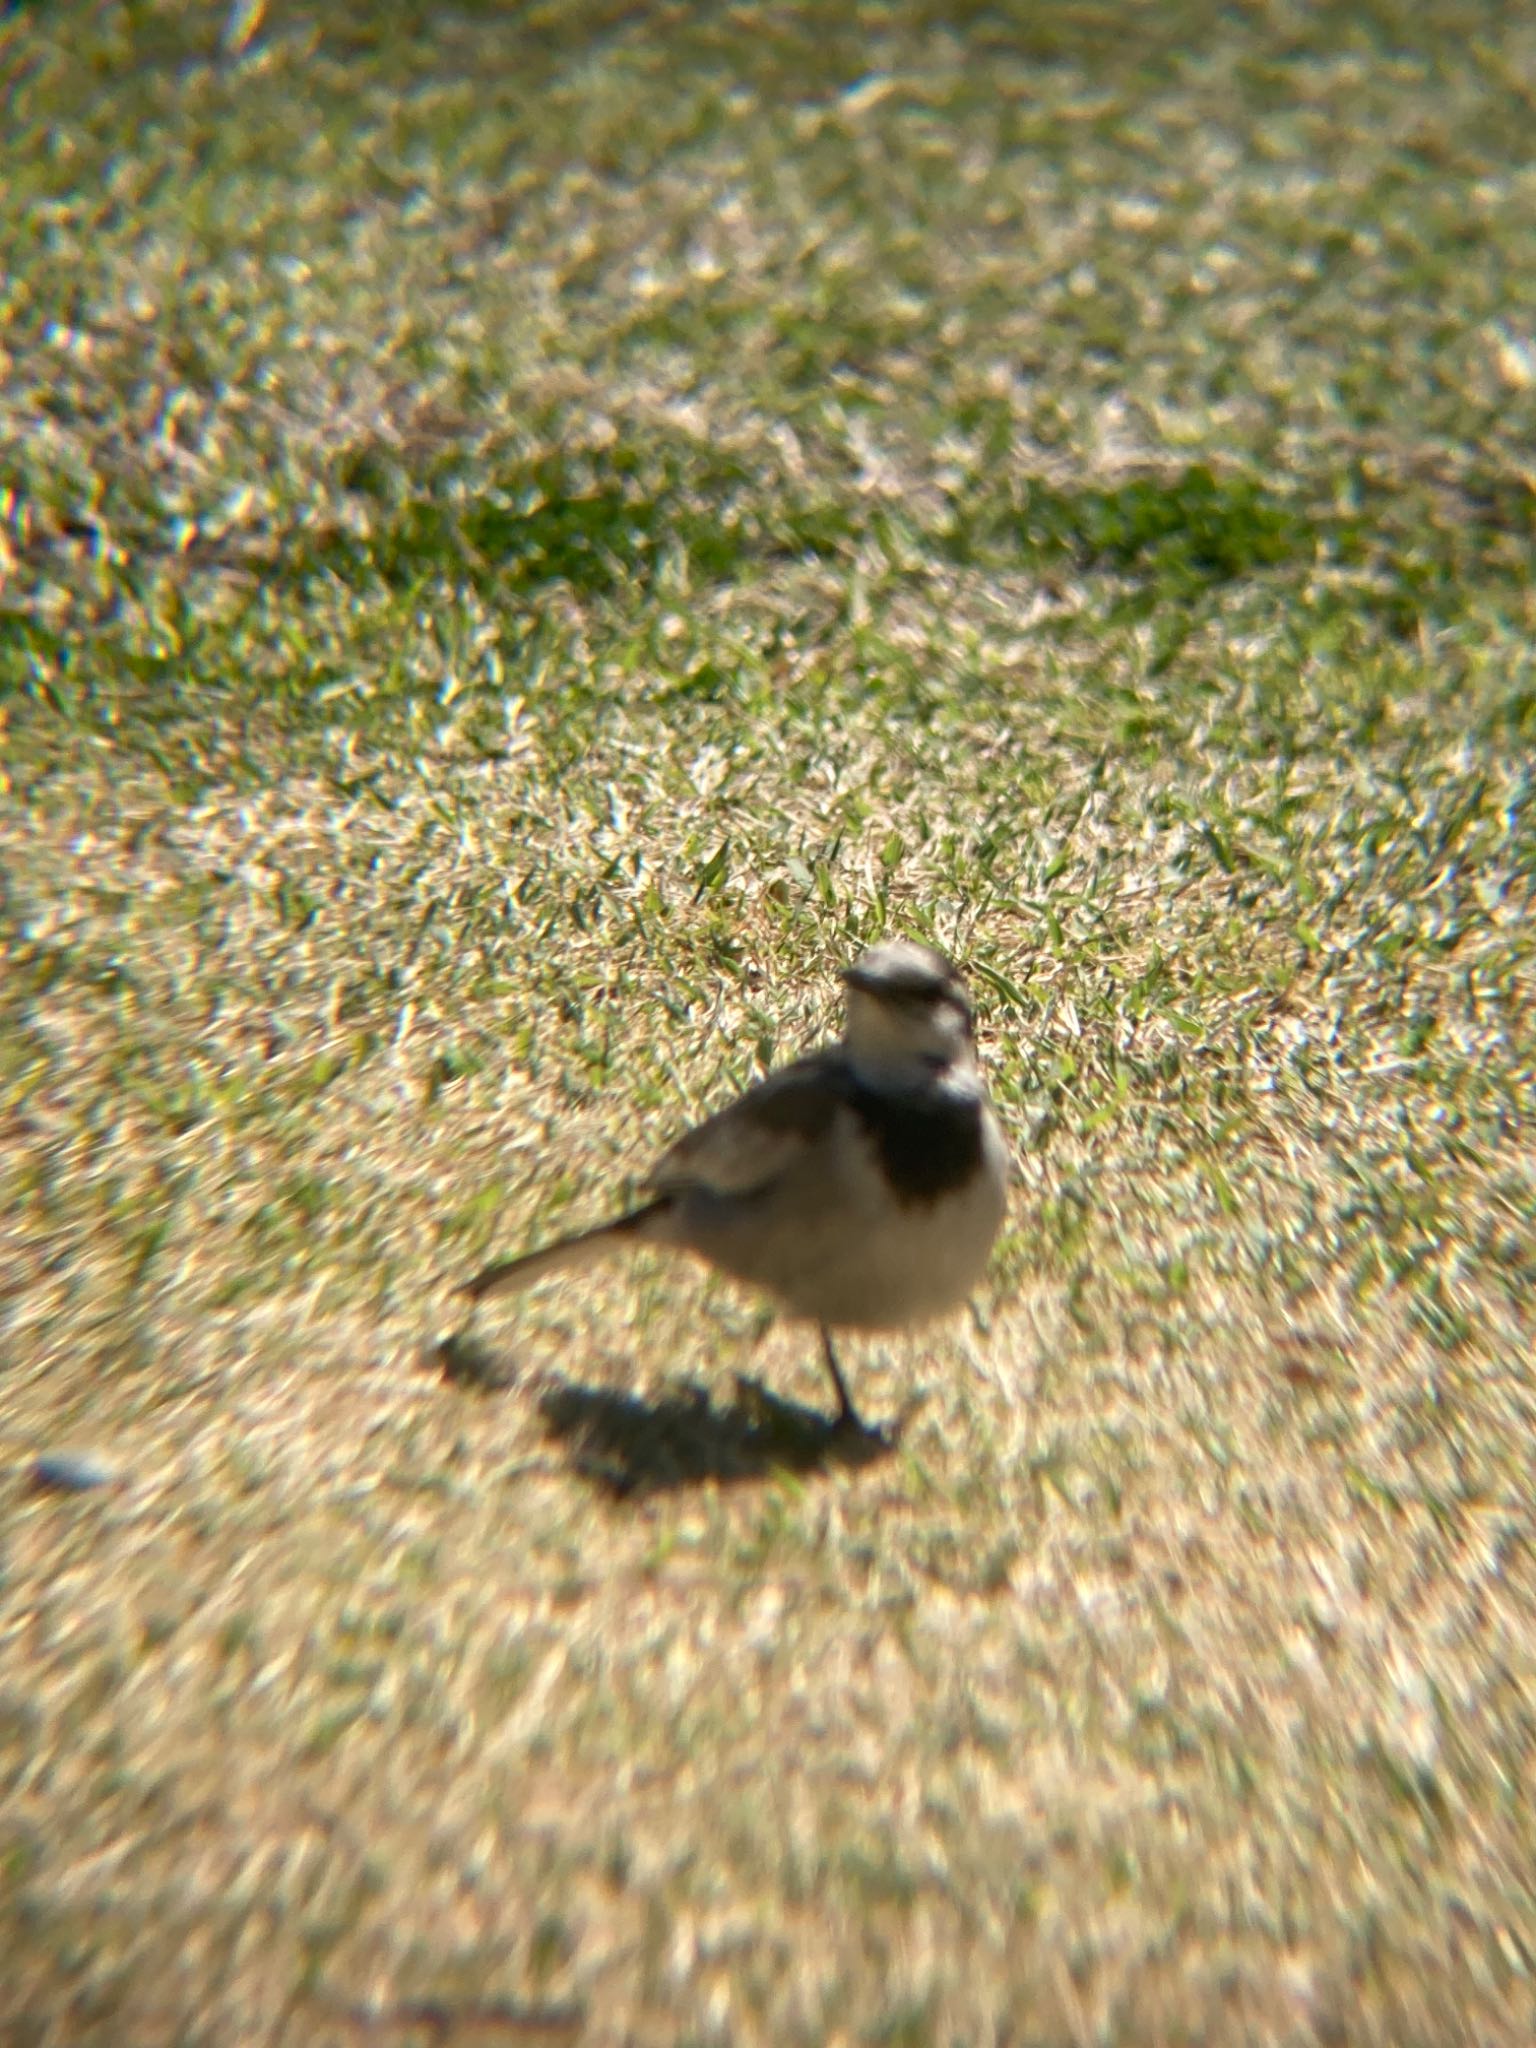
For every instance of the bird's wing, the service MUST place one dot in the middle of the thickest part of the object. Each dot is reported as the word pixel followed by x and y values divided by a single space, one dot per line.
pixel 760 1135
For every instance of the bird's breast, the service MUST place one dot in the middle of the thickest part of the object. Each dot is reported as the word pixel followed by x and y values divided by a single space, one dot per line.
pixel 886 1221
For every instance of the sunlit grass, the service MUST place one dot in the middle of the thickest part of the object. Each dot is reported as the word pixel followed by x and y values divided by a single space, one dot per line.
pixel 527 538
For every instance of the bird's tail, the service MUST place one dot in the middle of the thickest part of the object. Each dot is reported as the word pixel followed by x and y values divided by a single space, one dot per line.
pixel 509 1276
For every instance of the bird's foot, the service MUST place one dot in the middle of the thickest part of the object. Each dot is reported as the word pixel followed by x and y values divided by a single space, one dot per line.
pixel 856 1436
pixel 464 1361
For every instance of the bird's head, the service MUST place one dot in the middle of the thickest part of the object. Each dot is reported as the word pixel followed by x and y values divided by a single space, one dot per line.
pixel 909 1016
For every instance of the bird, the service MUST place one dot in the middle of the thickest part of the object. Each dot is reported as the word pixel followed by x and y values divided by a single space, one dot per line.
pixel 861 1187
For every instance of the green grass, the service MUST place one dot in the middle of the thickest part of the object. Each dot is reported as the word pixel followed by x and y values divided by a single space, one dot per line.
pixel 526 537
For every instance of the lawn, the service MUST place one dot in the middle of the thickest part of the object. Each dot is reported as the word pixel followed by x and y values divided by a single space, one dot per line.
pixel 527 536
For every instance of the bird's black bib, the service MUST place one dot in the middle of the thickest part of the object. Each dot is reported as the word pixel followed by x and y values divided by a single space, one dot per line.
pixel 928 1148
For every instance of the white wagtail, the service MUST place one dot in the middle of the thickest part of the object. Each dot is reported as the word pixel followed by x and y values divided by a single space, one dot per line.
pixel 860 1188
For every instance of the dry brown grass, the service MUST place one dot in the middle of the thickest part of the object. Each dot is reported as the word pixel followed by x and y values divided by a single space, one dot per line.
pixel 1169 1683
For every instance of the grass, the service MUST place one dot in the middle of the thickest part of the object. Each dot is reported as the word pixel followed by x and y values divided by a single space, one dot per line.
pixel 528 537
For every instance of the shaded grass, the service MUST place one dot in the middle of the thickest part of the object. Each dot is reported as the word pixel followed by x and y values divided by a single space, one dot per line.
pixel 525 543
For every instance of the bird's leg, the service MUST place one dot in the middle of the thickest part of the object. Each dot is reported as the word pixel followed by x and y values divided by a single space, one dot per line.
pixel 847 1414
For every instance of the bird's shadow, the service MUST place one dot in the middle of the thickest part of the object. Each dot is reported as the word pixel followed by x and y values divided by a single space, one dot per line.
pixel 635 1444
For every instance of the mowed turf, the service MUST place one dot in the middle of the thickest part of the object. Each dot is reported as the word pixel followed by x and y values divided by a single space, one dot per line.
pixel 528 537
